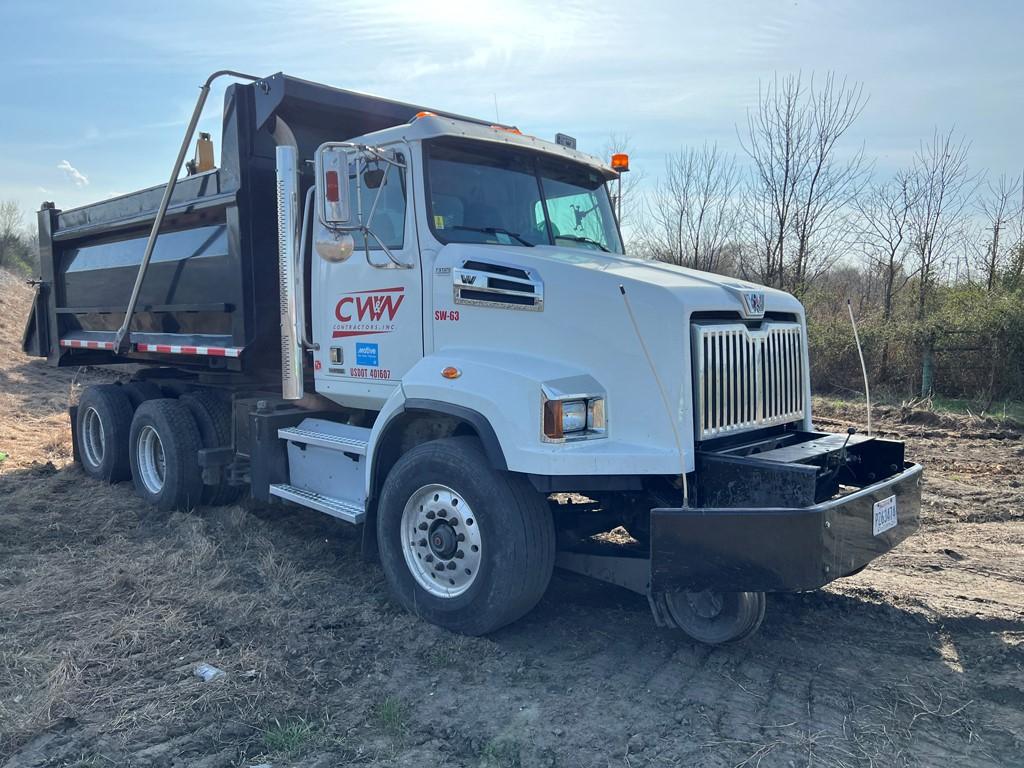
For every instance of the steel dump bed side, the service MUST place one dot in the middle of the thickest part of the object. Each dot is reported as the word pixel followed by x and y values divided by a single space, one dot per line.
pixel 210 294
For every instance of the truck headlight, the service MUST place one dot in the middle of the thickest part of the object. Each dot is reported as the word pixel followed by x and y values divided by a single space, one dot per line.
pixel 573 419
pixel 574 416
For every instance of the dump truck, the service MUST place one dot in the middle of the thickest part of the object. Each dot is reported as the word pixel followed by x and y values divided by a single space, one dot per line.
pixel 426 325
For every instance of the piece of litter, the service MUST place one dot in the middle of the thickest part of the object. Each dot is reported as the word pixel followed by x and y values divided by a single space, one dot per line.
pixel 207 672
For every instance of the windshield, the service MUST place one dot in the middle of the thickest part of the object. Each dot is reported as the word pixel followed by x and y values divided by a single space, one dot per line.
pixel 482 193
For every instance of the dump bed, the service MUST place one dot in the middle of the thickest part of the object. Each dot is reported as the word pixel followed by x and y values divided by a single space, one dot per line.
pixel 210 295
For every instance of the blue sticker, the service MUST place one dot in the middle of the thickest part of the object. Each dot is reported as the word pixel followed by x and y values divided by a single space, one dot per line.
pixel 366 354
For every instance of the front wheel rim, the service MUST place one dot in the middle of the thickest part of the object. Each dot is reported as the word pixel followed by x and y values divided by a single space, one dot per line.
pixel 441 541
pixel 151 459
pixel 94 440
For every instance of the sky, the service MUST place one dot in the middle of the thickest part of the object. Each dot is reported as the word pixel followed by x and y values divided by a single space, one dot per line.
pixel 97 94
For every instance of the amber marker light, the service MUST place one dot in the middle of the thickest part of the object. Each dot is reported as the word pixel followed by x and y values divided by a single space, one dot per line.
pixel 553 419
pixel 620 162
pixel 451 372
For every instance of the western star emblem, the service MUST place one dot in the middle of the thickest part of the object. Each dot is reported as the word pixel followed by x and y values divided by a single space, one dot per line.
pixel 755 302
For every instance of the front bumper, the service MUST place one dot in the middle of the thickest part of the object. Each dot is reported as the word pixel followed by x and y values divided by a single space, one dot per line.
pixel 779 549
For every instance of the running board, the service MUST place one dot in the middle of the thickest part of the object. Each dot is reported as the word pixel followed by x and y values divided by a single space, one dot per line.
pixel 341 437
pixel 339 508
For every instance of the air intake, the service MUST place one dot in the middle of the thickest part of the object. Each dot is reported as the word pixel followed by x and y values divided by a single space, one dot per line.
pixel 481 284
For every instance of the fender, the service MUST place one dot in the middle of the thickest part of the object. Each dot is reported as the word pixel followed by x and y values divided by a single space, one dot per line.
pixel 382 428
pixel 500 395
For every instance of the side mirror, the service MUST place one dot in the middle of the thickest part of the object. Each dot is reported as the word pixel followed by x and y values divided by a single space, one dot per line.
pixel 336 248
pixel 334 205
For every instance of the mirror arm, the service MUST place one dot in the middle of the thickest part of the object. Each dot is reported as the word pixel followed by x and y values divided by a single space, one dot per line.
pixel 395 263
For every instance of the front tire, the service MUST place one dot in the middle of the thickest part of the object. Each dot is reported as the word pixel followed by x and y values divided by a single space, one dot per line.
pixel 164 448
pixel 463 545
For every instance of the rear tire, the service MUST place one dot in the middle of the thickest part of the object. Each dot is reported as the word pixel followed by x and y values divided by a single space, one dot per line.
pixel 139 392
pixel 103 425
pixel 164 448
pixel 213 417
pixel 716 617
pixel 448 486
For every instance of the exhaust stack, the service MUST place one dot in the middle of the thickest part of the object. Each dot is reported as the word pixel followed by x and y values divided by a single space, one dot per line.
pixel 287 257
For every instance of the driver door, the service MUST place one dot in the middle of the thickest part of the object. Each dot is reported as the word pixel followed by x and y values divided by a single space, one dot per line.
pixel 367 314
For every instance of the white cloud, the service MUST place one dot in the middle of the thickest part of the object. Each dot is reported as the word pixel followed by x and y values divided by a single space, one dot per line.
pixel 77 177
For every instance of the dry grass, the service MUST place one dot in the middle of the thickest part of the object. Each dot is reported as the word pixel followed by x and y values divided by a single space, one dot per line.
pixel 106 608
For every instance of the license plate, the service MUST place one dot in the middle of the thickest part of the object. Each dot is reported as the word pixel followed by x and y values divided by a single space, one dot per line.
pixel 884 515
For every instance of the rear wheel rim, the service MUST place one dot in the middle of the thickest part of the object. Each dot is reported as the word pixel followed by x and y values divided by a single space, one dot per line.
pixel 151 459
pixel 441 541
pixel 94 440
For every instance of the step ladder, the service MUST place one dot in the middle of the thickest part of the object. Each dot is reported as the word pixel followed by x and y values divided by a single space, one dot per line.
pixel 326 468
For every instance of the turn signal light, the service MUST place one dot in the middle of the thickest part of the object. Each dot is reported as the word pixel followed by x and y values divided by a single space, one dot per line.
pixel 451 372
pixel 553 420
pixel 620 162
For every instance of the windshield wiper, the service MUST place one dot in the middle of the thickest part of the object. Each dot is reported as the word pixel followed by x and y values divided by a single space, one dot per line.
pixel 497 231
pixel 578 239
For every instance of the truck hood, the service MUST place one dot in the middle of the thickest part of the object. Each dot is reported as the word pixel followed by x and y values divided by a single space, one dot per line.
pixel 698 290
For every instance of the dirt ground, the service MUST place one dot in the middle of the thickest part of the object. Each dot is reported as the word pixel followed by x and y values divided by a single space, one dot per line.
pixel 106 608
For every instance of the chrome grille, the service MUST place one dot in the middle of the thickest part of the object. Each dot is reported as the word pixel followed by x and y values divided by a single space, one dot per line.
pixel 747 378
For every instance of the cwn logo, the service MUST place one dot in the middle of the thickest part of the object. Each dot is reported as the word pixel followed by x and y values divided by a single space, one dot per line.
pixel 368 312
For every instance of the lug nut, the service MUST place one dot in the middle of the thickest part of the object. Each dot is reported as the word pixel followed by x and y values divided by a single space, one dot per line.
pixel 460 554
pixel 442 513
pixel 421 543
pixel 423 526
pixel 429 558
pixel 439 566
pixel 451 566
pixel 430 515
pixel 461 537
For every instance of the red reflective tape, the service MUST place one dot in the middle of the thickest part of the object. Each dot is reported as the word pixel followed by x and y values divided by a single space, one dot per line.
pixel 189 351
pixel 331 179
pixel 217 352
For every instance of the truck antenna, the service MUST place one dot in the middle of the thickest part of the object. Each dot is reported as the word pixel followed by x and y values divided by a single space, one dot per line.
pixel 664 397
pixel 863 367
pixel 497 119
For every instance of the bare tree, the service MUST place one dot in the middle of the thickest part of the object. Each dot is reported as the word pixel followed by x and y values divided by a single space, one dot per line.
pixel 884 217
pixel 801 188
pixel 942 187
pixel 692 215
pixel 1003 209
pixel 11 223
